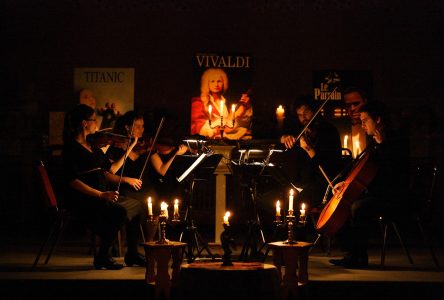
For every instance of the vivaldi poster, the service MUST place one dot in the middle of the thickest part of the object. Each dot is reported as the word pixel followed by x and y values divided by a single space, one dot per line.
pixel 222 105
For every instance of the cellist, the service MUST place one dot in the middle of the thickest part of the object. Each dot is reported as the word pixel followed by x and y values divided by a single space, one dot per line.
pixel 385 192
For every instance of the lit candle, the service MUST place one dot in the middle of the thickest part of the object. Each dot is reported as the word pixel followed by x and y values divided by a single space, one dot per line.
pixel 210 110
pixel 164 209
pixel 346 141
pixel 233 108
pixel 227 215
pixel 357 149
pixel 302 210
pixel 221 108
pixel 280 112
pixel 150 207
pixel 176 207
pixel 278 209
pixel 290 200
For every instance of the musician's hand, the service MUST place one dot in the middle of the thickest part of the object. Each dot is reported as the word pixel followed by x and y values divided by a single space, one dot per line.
pixel 288 141
pixel 304 145
pixel 133 182
pixel 377 136
pixel 337 187
pixel 112 196
pixel 182 149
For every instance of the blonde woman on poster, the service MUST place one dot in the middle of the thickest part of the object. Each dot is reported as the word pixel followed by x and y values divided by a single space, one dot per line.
pixel 210 113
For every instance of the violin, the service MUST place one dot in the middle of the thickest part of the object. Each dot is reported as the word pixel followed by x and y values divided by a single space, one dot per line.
pixel 144 145
pixel 101 139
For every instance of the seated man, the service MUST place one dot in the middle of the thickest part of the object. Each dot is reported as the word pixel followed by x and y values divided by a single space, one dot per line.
pixel 382 196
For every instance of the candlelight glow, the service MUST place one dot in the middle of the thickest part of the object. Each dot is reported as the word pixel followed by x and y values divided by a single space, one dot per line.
pixel 226 218
pixel 150 206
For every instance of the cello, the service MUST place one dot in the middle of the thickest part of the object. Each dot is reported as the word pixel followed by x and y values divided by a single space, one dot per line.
pixel 337 210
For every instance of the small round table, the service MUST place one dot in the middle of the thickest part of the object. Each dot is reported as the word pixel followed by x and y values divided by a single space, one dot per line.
pixel 161 254
pixel 295 259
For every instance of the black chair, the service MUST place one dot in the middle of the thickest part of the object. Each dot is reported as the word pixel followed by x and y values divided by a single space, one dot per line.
pixel 420 209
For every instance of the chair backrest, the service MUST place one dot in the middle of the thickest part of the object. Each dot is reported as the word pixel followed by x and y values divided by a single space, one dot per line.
pixel 422 188
pixel 47 190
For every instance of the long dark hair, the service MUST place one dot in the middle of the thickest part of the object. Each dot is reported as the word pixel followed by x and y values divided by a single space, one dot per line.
pixel 73 121
pixel 126 119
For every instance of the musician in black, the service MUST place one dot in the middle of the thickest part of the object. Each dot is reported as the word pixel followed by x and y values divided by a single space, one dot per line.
pixel 321 143
pixel 384 195
pixel 88 177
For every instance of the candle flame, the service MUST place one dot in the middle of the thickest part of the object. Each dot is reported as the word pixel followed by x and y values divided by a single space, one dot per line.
pixel 303 206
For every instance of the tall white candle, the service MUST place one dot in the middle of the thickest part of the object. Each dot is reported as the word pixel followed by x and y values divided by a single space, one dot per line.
pixel 346 141
pixel 290 200
pixel 233 108
pixel 278 208
pixel 210 110
pixel 150 206
pixel 176 207
pixel 221 108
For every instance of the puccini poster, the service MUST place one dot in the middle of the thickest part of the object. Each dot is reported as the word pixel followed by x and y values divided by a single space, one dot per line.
pixel 222 105
pixel 110 90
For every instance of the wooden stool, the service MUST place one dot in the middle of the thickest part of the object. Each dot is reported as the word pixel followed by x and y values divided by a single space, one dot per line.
pixel 161 254
pixel 293 257
pixel 211 280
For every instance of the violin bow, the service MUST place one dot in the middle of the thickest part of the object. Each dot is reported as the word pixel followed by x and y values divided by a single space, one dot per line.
pixel 126 156
pixel 315 115
pixel 152 146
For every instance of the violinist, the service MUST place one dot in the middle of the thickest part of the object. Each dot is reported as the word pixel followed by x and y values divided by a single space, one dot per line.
pixel 88 177
pixel 383 195
pixel 322 144
pixel 165 183
pixel 132 126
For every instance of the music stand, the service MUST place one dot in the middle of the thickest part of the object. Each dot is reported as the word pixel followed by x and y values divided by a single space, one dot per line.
pixel 253 163
pixel 201 168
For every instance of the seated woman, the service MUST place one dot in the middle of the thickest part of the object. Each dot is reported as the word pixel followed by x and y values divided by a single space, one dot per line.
pixel 87 174
pixel 165 183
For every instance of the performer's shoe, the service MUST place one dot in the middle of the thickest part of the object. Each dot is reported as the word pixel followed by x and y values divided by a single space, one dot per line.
pixel 351 262
pixel 106 263
pixel 135 259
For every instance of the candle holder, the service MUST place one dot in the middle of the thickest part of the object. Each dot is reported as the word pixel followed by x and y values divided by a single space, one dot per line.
pixel 303 219
pixel 290 224
pixel 222 126
pixel 278 221
pixel 226 240
pixel 150 218
pixel 162 221
pixel 176 219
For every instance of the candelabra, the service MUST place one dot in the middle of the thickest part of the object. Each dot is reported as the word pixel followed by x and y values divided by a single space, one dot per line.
pixel 221 126
pixel 290 224
pixel 163 219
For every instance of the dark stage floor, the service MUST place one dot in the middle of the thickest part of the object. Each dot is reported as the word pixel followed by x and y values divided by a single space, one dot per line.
pixel 69 274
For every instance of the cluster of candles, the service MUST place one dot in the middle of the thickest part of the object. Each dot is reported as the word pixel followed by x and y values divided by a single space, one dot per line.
pixel 221 111
pixel 356 148
pixel 290 207
pixel 163 209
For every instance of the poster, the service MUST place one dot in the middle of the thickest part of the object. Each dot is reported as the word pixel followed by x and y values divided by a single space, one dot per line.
pixel 222 105
pixel 109 90
pixel 329 85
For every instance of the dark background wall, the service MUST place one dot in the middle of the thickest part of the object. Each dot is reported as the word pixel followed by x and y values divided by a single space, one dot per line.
pixel 399 42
